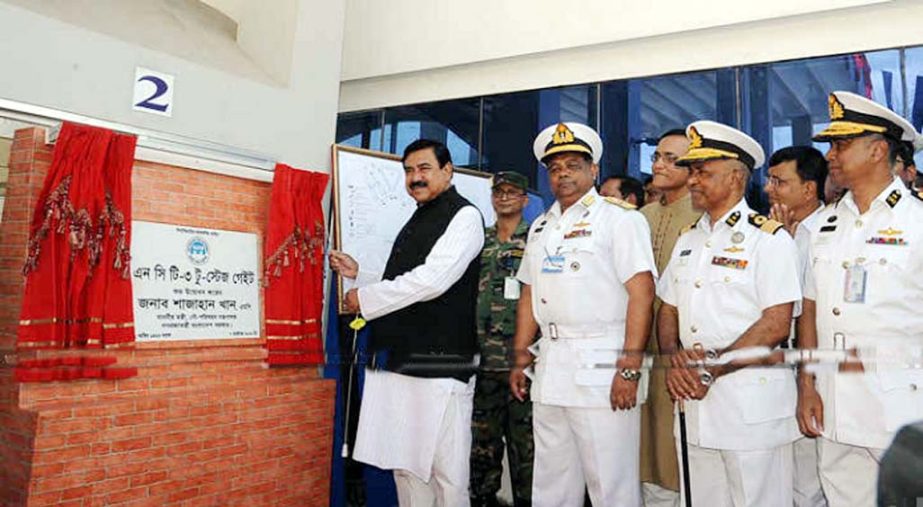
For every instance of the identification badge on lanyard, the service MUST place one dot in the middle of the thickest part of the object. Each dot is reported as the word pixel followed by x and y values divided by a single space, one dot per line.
pixel 510 288
pixel 854 288
pixel 553 264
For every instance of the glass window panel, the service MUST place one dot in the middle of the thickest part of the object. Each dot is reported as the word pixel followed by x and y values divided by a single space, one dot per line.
pixel 636 112
pixel 785 103
pixel 360 129
pixel 913 70
pixel 512 120
pixel 453 122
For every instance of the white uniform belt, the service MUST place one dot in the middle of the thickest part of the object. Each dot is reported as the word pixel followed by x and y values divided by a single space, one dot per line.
pixel 580 332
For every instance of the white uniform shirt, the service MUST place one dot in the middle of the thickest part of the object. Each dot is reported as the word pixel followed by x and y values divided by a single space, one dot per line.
pixel 887 243
pixel 401 416
pixel 721 279
pixel 803 233
pixel 577 263
pixel 803 245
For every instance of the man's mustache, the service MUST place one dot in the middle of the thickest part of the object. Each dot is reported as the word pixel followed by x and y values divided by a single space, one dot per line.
pixel 418 184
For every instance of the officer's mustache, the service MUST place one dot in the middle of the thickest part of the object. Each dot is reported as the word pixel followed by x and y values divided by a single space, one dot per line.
pixel 418 184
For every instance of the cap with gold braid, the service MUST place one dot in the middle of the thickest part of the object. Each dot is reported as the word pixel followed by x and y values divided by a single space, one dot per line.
pixel 567 137
pixel 853 115
pixel 710 140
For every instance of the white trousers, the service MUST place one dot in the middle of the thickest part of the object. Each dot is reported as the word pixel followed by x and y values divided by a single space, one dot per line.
pixel 656 496
pixel 593 448
pixel 448 484
pixel 739 478
pixel 806 480
pixel 848 473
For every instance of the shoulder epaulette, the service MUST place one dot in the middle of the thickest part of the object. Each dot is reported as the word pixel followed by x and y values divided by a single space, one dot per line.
pixel 764 223
pixel 733 218
pixel 893 198
pixel 619 202
pixel 918 194
pixel 688 228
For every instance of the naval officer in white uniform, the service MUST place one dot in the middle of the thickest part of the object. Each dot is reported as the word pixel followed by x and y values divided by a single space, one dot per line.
pixel 731 284
pixel 588 285
pixel 863 291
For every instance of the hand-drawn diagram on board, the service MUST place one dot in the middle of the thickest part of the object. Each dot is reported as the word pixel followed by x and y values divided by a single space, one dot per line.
pixel 371 204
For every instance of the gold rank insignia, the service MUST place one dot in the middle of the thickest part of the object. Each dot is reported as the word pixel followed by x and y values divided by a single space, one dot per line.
pixel 890 232
pixel 562 135
pixel 588 201
pixel 695 139
pixel 893 198
pixel 733 218
pixel 581 224
pixel 765 224
pixel 619 202
pixel 734 249
pixel 836 109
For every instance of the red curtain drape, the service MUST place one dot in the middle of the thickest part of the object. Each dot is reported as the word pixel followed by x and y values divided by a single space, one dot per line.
pixel 77 277
pixel 294 267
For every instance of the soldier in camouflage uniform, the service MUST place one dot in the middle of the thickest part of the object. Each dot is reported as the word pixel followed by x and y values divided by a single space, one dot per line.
pixel 497 415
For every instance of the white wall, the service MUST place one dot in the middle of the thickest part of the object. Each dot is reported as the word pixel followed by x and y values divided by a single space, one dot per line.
pixel 539 49
pixel 391 37
pixel 62 66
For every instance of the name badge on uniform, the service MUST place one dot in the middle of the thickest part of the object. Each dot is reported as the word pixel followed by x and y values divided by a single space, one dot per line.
pixel 553 264
pixel 510 288
pixel 854 288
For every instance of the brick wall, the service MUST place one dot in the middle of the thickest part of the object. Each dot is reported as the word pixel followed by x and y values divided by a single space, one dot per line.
pixel 204 423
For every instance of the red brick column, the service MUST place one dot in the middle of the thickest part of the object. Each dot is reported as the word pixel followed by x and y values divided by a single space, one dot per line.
pixel 29 159
pixel 204 423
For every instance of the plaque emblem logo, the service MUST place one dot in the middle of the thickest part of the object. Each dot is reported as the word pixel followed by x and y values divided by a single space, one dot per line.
pixel 197 251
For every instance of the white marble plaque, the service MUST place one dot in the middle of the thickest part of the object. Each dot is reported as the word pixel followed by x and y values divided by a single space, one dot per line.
pixel 193 284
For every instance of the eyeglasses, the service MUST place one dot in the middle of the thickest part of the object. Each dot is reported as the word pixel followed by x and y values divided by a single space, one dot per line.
pixel 774 181
pixel 669 158
pixel 507 194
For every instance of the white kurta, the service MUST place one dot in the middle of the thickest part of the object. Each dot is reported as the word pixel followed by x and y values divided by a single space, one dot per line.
pixel 887 241
pixel 401 420
pixel 401 417
pixel 721 279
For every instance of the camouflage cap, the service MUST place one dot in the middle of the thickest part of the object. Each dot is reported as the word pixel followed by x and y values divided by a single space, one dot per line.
pixel 510 178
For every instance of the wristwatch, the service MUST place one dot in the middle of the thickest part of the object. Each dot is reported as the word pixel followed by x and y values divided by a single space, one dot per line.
pixel 631 375
pixel 705 378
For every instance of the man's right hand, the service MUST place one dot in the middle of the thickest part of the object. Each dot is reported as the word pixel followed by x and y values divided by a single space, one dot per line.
pixel 683 380
pixel 519 386
pixel 781 213
pixel 344 264
pixel 810 412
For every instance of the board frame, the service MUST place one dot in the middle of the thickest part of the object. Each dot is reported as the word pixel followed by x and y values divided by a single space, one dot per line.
pixel 335 198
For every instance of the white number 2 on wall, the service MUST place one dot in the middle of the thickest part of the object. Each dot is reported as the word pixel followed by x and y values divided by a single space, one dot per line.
pixel 153 92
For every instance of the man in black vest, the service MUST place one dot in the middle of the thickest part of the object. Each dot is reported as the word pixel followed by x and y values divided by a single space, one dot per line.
pixel 416 408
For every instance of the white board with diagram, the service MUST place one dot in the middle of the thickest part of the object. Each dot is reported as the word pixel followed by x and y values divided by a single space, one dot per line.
pixel 370 203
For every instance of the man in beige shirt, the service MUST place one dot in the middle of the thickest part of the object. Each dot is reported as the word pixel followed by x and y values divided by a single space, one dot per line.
pixel 666 217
